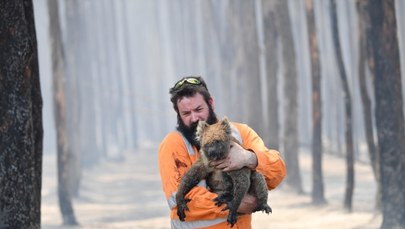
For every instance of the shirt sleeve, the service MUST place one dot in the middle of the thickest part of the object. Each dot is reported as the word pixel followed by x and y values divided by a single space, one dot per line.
pixel 270 162
pixel 174 162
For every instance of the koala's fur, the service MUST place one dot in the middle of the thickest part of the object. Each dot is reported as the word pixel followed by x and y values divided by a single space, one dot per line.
pixel 231 187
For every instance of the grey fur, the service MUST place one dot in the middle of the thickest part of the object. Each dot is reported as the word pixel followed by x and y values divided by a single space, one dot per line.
pixel 231 186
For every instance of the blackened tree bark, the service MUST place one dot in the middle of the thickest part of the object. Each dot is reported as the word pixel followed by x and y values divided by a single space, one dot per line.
pixel 365 56
pixel 271 49
pixel 290 136
pixel 347 202
pixel 21 132
pixel 64 153
pixel 317 174
pixel 389 111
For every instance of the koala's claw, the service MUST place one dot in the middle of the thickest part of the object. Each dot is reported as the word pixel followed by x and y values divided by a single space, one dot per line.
pixel 181 212
pixel 232 218
pixel 181 208
pixel 220 200
pixel 268 209
pixel 264 208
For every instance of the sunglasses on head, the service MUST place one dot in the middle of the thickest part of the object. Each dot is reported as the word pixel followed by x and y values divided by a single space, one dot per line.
pixel 189 80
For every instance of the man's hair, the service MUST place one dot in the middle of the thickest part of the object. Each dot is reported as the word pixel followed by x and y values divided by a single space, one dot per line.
pixel 183 88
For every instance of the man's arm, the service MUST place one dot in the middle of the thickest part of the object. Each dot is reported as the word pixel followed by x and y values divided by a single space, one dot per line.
pixel 254 155
pixel 269 162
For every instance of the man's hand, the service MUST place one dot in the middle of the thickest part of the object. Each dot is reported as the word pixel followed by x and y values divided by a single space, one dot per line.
pixel 237 158
pixel 248 204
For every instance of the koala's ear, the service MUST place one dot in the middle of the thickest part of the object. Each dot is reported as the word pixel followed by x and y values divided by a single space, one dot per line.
pixel 225 122
pixel 200 128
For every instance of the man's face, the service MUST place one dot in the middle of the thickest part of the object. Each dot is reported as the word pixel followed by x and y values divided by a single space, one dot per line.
pixel 191 110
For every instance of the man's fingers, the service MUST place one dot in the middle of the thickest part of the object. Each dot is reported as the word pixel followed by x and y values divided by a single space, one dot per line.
pixel 216 163
pixel 221 166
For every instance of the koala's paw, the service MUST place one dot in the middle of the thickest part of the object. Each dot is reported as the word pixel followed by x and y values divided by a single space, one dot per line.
pixel 232 218
pixel 221 199
pixel 181 208
pixel 218 201
pixel 228 206
pixel 264 208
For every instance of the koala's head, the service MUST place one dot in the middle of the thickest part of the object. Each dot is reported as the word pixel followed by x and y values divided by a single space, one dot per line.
pixel 215 139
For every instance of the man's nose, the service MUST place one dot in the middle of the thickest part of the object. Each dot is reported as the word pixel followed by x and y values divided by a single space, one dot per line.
pixel 194 117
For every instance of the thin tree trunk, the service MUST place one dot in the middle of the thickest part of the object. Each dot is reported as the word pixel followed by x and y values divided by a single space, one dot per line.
pixel 132 83
pixel 88 86
pixel 63 148
pixel 317 174
pixel 348 112
pixel 73 60
pixel 246 64
pixel 101 94
pixel 21 131
pixel 290 137
pixel 364 54
pixel 389 111
pixel 91 158
pixel 271 49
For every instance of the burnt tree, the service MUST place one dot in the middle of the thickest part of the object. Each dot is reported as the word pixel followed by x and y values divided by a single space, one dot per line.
pixel 21 131
pixel 318 196
pixel 246 63
pixel 347 203
pixel 290 136
pixel 366 59
pixel 389 111
pixel 64 157
pixel 271 50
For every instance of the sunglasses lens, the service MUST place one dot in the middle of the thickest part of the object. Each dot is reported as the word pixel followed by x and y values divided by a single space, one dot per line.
pixel 179 84
pixel 193 81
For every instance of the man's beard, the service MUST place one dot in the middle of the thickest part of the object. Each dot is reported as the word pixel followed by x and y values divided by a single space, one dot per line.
pixel 190 132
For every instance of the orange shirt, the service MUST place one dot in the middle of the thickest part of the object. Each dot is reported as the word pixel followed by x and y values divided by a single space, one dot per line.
pixel 175 160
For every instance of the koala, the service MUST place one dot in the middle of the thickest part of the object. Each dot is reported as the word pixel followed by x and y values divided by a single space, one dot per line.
pixel 231 187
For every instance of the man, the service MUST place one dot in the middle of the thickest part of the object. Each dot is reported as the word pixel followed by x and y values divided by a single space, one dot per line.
pixel 179 150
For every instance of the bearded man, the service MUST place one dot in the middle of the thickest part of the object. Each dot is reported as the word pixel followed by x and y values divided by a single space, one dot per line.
pixel 180 149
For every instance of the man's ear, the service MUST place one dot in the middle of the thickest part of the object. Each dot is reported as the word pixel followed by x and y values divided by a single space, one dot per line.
pixel 200 128
pixel 211 103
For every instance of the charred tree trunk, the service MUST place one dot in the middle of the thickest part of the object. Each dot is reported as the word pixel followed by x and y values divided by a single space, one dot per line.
pixel 21 132
pixel 389 111
pixel 365 55
pixel 63 148
pixel 317 174
pixel 290 137
pixel 347 203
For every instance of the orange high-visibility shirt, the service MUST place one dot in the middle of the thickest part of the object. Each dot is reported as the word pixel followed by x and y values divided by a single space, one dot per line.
pixel 175 160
